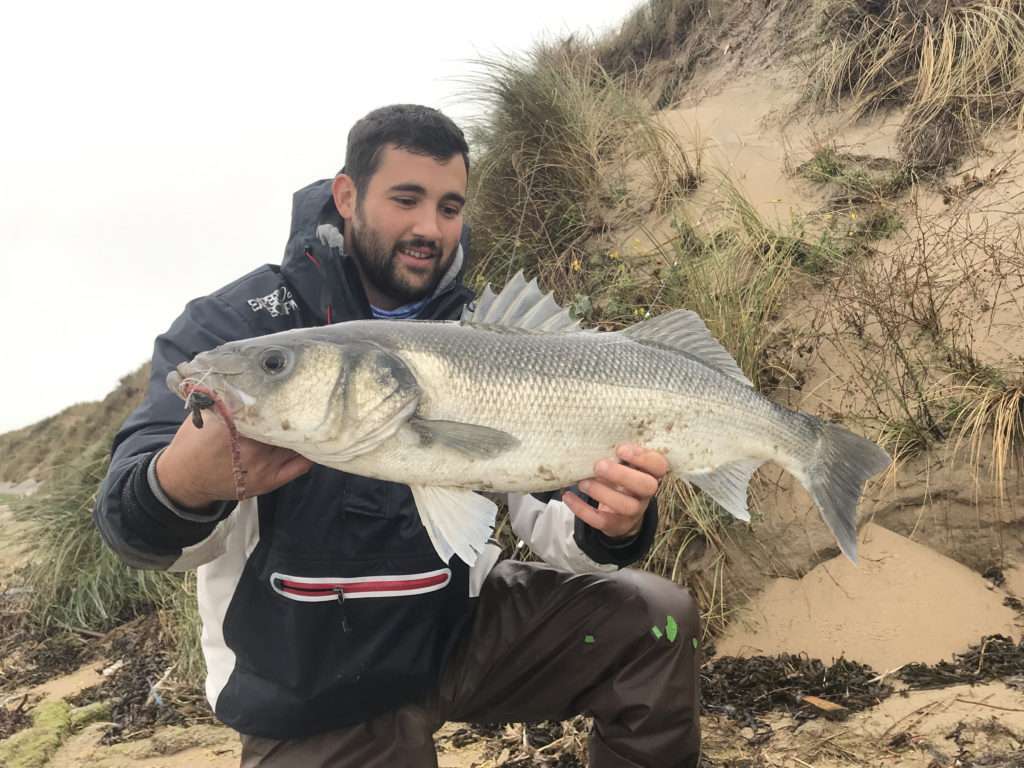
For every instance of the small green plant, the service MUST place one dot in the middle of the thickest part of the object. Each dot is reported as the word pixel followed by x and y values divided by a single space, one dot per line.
pixel 857 179
pixel 859 209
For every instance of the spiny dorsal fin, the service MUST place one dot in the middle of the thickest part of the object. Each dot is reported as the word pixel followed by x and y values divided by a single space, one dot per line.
pixel 683 331
pixel 520 305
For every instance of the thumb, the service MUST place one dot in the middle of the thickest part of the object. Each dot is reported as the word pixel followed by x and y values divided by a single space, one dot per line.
pixel 295 466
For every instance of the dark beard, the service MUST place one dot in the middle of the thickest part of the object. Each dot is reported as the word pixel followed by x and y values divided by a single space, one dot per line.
pixel 378 265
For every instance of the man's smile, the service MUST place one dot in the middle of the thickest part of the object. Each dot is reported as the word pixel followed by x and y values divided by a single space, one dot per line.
pixel 418 253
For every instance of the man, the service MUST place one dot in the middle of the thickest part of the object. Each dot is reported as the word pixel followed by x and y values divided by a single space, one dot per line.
pixel 308 658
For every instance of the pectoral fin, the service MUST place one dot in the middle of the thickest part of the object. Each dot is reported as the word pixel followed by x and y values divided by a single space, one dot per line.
pixel 472 440
pixel 458 522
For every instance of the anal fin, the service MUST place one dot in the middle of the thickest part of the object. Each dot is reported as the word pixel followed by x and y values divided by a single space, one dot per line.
pixel 458 522
pixel 727 485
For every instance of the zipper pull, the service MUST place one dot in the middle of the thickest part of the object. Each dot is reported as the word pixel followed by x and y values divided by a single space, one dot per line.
pixel 341 604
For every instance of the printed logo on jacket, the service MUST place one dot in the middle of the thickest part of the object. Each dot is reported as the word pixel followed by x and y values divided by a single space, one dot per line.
pixel 277 303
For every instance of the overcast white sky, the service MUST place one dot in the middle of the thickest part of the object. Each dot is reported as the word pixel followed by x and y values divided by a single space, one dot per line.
pixel 148 152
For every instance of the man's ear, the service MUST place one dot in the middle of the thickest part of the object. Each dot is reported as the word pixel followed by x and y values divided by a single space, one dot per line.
pixel 343 189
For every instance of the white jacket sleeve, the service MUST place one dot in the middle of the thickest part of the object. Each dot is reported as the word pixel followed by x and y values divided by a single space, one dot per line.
pixel 548 529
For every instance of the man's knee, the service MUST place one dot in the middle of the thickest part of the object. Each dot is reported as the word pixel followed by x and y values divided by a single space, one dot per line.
pixel 666 605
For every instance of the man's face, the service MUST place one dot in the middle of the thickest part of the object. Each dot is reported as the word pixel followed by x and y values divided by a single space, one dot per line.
pixel 404 229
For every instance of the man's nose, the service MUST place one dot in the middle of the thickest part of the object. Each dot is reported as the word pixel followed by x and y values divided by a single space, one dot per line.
pixel 427 227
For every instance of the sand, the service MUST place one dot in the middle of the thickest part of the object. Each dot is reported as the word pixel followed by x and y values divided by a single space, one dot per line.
pixel 24 488
pixel 905 602
pixel 15 546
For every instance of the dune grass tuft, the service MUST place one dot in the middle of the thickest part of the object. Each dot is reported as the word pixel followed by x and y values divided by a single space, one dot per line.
pixel 78 583
pixel 566 153
pixel 957 65
pixel 690 549
pixel 736 279
pixel 991 414
pixel 661 39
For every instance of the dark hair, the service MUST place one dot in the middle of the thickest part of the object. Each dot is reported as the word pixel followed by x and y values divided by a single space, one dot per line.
pixel 414 128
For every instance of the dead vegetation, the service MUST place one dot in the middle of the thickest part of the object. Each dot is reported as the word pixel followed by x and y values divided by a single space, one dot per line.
pixel 957 66
pixel 994 658
pixel 908 323
pixel 742 688
pixel 991 415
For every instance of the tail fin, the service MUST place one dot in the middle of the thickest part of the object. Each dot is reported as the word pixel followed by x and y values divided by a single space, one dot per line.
pixel 835 481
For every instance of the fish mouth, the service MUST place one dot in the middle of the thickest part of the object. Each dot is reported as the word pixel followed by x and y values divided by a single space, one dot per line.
pixel 175 382
pixel 189 377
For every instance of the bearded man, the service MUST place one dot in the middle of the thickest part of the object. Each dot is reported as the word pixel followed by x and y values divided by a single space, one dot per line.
pixel 308 674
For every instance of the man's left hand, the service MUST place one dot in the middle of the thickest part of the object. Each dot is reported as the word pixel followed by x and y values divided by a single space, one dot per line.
pixel 622 490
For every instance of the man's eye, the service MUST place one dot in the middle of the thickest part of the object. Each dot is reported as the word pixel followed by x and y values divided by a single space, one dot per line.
pixel 405 201
pixel 450 211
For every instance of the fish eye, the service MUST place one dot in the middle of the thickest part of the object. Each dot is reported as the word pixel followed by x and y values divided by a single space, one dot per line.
pixel 274 361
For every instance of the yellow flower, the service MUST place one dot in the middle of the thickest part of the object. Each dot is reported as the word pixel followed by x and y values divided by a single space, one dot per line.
pixel 577 265
pixel 614 255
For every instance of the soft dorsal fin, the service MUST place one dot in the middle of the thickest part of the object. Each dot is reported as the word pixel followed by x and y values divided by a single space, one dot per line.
pixel 683 331
pixel 522 305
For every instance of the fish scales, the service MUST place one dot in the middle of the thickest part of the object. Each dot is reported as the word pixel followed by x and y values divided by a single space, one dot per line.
pixel 570 398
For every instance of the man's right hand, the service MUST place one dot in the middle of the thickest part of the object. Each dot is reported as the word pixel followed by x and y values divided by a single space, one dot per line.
pixel 195 469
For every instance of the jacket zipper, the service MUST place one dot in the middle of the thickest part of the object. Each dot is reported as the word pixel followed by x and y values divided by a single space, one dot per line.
pixel 341 606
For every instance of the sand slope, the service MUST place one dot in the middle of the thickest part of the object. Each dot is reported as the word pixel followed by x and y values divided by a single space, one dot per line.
pixel 905 602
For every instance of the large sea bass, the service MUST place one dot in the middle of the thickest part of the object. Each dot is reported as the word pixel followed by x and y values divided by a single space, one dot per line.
pixel 515 397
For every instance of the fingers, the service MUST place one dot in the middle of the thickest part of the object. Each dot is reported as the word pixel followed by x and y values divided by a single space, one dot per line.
pixel 653 463
pixel 609 522
pixel 197 467
pixel 614 499
pixel 630 480
pixel 621 491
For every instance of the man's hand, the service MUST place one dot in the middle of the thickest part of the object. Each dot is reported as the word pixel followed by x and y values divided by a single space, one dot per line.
pixel 195 469
pixel 622 491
